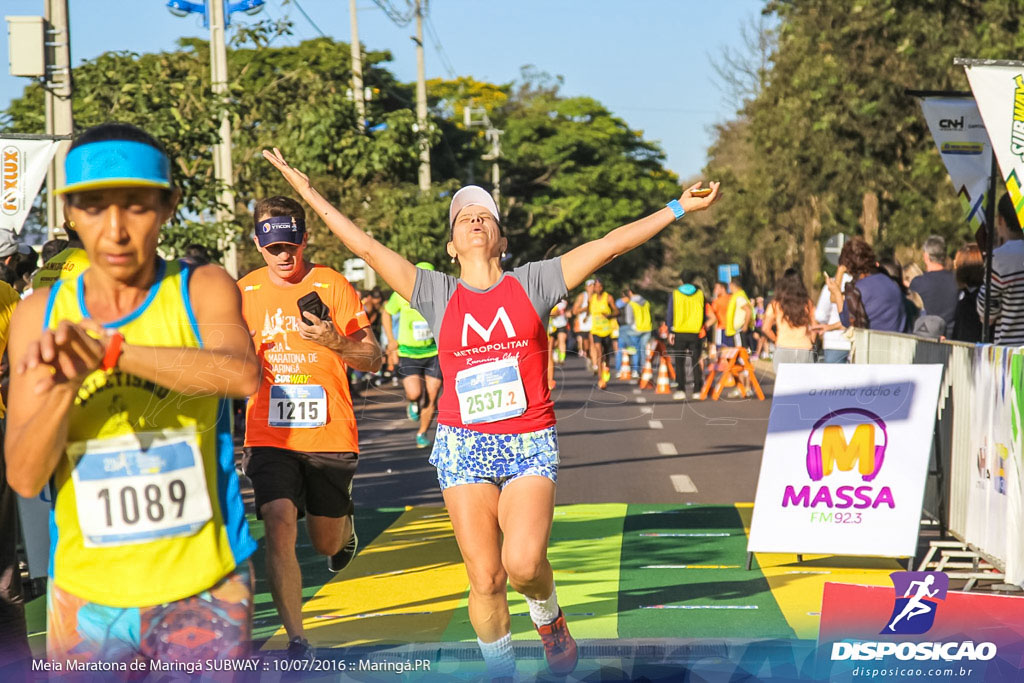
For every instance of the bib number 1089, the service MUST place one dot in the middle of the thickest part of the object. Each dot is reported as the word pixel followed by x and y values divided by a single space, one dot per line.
pixel 130 506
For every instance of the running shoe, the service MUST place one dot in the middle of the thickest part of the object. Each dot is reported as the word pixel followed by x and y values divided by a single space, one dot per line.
pixel 422 441
pixel 413 411
pixel 299 649
pixel 679 396
pixel 559 646
pixel 343 557
pixel 606 376
pixel 695 396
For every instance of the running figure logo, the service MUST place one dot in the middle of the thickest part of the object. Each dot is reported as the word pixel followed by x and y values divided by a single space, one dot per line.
pixel 917 600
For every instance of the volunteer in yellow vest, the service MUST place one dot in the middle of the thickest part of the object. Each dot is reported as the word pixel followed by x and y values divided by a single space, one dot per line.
pixel 117 399
pixel 69 262
pixel 739 318
pixel 417 360
pixel 685 320
pixel 637 326
pixel 602 311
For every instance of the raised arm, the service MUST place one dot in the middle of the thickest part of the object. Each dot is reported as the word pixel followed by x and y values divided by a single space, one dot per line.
pixel 49 366
pixel 586 258
pixel 396 271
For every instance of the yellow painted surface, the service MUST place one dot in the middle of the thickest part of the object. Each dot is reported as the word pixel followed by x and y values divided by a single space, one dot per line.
pixel 402 588
pixel 798 586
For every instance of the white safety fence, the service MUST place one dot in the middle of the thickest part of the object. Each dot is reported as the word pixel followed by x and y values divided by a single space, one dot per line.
pixel 977 490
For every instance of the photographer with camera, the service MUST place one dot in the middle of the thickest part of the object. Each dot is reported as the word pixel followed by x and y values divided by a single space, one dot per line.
pixel 301 443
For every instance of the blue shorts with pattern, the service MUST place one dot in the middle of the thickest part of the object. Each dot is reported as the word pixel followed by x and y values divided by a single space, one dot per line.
pixel 464 456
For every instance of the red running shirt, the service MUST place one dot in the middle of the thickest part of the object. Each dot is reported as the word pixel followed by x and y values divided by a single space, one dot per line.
pixel 474 327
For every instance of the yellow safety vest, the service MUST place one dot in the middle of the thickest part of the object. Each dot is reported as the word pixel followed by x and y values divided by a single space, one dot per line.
pixel 687 312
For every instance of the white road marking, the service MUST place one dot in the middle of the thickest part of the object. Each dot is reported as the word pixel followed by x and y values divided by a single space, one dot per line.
pixel 655 424
pixel 667 449
pixel 636 391
pixel 683 483
pixel 647 410
pixel 641 399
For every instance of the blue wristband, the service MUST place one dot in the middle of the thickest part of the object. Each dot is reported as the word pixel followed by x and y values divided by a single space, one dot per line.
pixel 677 208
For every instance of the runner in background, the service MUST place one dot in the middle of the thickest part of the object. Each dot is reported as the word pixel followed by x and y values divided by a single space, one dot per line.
pixel 418 366
pixel 602 311
pixel 301 442
pixel 14 649
pixel 582 326
pixel 637 328
pixel 116 401
pixel 69 262
pixel 496 449
pixel 559 329
pixel 720 305
pixel 739 315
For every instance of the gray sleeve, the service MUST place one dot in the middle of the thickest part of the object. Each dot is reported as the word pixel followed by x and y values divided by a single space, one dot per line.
pixel 544 284
pixel 430 296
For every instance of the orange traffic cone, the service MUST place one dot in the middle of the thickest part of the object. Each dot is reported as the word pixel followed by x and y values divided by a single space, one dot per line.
pixel 625 374
pixel 648 374
pixel 663 385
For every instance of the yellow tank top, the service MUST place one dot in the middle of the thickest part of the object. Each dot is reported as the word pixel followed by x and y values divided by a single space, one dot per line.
pixel 687 311
pixel 600 309
pixel 147 509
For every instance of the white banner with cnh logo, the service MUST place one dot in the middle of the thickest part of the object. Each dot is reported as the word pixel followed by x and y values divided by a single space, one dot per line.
pixel 23 165
pixel 845 460
pixel 999 92
pixel 962 141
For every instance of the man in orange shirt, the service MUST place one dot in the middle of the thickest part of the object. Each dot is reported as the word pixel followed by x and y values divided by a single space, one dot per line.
pixel 301 443
pixel 720 305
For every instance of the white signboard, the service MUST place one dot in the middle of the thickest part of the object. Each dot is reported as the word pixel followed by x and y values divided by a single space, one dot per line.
pixel 962 140
pixel 999 91
pixel 845 460
pixel 23 165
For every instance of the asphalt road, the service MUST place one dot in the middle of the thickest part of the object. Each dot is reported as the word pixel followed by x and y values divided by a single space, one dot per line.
pixel 619 445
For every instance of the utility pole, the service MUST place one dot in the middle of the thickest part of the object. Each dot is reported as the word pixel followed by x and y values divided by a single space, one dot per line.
pixel 357 67
pixel 421 102
pixel 493 136
pixel 57 97
pixel 222 168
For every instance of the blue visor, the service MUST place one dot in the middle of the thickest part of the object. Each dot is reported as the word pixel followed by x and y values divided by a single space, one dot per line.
pixel 280 229
pixel 115 163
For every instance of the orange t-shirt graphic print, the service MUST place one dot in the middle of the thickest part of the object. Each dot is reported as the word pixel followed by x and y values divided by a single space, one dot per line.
pixel 303 403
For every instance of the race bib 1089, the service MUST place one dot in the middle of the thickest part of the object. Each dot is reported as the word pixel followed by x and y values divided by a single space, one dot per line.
pixel 139 487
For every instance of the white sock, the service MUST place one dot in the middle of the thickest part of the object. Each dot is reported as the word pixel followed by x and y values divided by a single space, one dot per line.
pixel 500 660
pixel 543 612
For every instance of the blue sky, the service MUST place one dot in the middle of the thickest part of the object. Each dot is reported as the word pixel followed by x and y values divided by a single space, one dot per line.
pixel 646 60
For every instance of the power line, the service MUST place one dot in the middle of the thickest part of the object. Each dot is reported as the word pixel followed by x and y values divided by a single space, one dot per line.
pixel 396 16
pixel 439 48
pixel 310 20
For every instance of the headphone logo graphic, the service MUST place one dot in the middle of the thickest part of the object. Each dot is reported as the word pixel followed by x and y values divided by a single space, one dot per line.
pixel 815 459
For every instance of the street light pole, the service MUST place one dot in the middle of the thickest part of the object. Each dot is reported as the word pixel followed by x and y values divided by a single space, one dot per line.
pixel 421 102
pixel 59 120
pixel 357 67
pixel 222 167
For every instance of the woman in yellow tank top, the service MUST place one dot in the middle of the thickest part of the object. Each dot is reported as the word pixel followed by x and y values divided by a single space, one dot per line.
pixel 602 310
pixel 116 393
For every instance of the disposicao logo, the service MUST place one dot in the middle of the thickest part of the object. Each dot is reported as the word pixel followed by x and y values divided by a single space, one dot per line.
pixel 921 593
pixel 832 452
pixel 917 597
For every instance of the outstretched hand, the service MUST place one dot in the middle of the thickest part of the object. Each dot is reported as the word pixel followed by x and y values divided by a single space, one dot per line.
pixel 296 178
pixel 691 203
pixel 72 352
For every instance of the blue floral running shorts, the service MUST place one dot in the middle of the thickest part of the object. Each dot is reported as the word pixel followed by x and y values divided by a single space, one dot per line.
pixel 463 456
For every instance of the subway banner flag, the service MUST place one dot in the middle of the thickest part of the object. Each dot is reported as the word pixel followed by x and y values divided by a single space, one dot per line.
pixel 999 92
pixel 23 165
pixel 960 136
pixel 845 460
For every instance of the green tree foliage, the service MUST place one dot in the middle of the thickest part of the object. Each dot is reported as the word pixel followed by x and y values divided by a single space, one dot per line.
pixel 831 143
pixel 570 170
